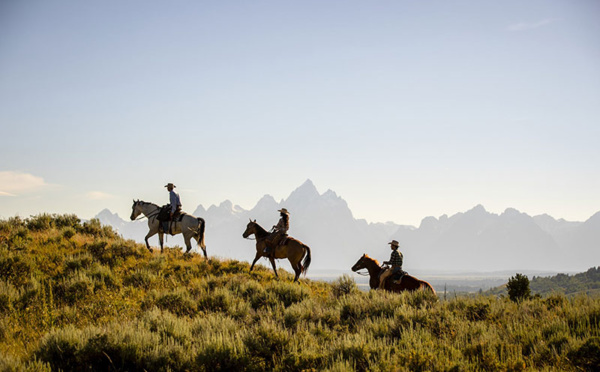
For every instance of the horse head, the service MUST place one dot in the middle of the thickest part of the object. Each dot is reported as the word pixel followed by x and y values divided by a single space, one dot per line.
pixel 135 210
pixel 250 229
pixel 360 264
pixel 364 263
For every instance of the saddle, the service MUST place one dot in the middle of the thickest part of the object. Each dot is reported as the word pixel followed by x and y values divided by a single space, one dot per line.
pixel 165 214
pixel 398 275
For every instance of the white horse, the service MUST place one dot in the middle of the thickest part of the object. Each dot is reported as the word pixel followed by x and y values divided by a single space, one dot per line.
pixel 189 226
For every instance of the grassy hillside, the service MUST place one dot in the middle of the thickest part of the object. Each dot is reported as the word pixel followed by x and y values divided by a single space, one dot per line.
pixel 76 297
pixel 587 283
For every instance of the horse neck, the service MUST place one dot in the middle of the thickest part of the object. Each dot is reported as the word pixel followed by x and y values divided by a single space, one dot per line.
pixel 372 267
pixel 148 208
pixel 260 231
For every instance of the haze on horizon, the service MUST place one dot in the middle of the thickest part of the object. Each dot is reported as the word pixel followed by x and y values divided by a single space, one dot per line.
pixel 404 109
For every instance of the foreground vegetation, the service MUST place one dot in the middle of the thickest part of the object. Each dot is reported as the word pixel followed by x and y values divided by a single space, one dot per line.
pixel 75 296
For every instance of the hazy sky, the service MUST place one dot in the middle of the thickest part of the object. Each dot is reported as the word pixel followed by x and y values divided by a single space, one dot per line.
pixel 405 108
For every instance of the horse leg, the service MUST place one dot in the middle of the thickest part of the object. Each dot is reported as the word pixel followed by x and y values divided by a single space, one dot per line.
pixel 297 269
pixel 161 241
pixel 150 234
pixel 258 255
pixel 188 243
pixel 273 264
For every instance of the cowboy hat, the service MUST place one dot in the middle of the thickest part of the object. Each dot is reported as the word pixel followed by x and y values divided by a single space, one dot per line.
pixel 169 185
pixel 283 210
pixel 394 243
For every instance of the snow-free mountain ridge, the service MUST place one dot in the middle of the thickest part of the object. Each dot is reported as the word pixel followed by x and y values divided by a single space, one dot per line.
pixel 475 240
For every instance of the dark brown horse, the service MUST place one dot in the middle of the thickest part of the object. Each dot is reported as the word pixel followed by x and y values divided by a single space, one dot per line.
pixel 408 283
pixel 292 249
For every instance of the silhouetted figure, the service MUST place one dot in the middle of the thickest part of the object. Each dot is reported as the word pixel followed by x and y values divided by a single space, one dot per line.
pixel 174 205
pixel 395 263
pixel 279 234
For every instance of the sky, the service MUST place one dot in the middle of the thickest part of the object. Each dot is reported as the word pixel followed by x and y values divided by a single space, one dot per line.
pixel 405 109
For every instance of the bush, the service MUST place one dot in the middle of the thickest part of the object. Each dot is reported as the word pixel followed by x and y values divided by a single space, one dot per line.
pixel 8 295
pixel 518 288
pixel 40 222
pixel 343 286
pixel 289 293
pixel 16 268
pixel 587 356
pixel 93 227
pixel 140 278
pixel 178 302
pixel 76 288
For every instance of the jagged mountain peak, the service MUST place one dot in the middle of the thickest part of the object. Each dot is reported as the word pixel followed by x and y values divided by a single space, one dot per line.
pixel 266 199
pixel 306 191
pixel 106 212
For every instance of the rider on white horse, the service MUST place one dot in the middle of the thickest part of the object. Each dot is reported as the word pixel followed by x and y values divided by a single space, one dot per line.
pixel 175 203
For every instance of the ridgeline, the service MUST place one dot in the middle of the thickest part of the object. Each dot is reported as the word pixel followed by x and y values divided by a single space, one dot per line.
pixel 76 296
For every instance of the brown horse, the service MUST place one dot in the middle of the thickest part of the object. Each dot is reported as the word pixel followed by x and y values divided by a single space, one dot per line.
pixel 291 249
pixel 408 283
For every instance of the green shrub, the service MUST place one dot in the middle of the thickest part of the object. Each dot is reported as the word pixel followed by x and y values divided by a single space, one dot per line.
pixel 67 221
pixel 140 278
pixel 8 364
pixel 16 268
pixel 222 353
pixel 478 311
pixel 178 302
pixel 68 232
pixel 8 296
pixel 79 262
pixel 343 286
pixel 518 288
pixel 75 288
pixel 266 341
pixel 289 293
pixel 104 277
pixel 587 356
pixel 94 228
pixel 220 299
pixel 40 222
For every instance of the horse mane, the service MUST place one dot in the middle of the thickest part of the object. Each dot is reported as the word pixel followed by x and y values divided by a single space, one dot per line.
pixel 261 229
pixel 371 259
pixel 144 203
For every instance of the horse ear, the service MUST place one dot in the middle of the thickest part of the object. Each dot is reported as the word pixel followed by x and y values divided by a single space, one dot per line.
pixel 250 219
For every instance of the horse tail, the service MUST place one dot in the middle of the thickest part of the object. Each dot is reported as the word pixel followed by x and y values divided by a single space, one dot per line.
pixel 307 259
pixel 201 227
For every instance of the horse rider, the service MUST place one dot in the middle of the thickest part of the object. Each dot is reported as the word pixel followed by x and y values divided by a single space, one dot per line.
pixel 279 233
pixel 175 204
pixel 395 263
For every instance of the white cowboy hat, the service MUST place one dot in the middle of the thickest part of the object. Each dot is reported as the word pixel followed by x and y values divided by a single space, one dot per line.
pixel 283 210
pixel 394 243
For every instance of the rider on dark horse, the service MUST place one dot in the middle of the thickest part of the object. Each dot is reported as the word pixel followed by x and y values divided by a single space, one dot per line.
pixel 395 262
pixel 174 207
pixel 279 234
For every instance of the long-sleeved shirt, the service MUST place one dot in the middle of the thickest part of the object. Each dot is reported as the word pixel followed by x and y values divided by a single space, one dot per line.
pixel 175 201
pixel 395 259
pixel 283 225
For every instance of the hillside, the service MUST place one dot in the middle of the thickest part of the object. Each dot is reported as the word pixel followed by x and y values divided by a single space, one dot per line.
pixel 583 283
pixel 76 296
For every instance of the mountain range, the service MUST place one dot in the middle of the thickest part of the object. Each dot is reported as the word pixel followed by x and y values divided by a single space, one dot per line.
pixel 474 241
